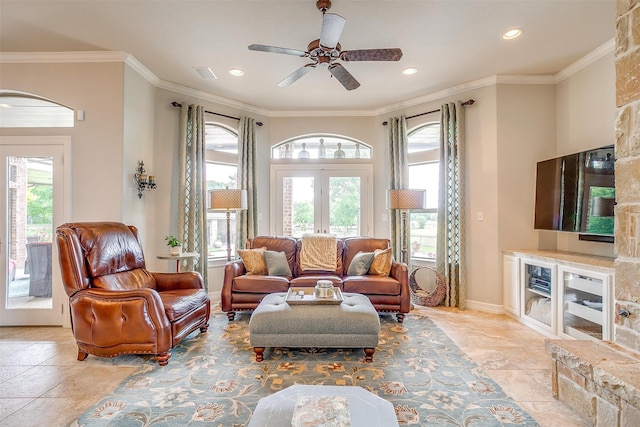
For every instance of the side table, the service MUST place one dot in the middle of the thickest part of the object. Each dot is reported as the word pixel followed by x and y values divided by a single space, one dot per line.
pixel 178 258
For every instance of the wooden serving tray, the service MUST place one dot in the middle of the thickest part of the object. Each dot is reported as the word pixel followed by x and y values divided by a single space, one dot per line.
pixel 309 298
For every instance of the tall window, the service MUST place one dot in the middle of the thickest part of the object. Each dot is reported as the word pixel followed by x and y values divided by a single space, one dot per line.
pixel 321 184
pixel 221 172
pixel 423 150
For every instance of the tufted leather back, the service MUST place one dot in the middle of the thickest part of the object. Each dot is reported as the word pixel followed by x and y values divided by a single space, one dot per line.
pixel 104 255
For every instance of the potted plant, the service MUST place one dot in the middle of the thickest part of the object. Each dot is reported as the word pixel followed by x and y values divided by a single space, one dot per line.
pixel 174 245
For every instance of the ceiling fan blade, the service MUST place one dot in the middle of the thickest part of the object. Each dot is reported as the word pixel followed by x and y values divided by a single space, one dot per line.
pixel 274 49
pixel 332 26
pixel 372 55
pixel 293 77
pixel 343 76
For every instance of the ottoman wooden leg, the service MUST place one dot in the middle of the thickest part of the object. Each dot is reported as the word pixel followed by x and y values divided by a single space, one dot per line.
pixel 259 351
pixel 368 354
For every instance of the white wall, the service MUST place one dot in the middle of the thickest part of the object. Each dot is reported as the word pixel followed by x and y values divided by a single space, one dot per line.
pixel 585 104
pixel 138 138
pixel 97 148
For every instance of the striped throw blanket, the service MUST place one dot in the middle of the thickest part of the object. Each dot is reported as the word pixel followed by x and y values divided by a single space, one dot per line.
pixel 318 252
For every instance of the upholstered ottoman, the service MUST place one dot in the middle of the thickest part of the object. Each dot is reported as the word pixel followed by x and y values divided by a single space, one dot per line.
pixel 352 324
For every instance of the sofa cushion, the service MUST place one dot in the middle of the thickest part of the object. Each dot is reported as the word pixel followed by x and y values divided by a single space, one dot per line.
pixel 277 263
pixel 253 260
pixel 260 284
pixel 371 285
pixel 310 281
pixel 381 264
pixel 360 264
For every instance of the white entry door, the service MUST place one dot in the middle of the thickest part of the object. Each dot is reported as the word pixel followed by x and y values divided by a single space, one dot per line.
pixel 31 205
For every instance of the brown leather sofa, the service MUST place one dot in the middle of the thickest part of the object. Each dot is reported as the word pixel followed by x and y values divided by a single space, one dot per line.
pixel 242 292
pixel 116 305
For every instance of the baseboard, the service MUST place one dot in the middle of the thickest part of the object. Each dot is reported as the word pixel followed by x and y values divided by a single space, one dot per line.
pixel 485 307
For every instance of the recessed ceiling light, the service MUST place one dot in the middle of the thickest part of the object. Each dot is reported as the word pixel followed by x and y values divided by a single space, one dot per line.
pixel 236 72
pixel 205 72
pixel 512 34
pixel 409 71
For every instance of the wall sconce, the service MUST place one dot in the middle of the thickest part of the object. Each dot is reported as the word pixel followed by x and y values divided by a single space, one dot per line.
pixel 404 200
pixel 145 182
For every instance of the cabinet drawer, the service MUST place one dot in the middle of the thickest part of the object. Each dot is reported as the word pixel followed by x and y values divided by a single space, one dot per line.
pixel 584 312
pixel 592 286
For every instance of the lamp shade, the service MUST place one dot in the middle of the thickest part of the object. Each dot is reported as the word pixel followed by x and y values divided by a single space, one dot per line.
pixel 228 199
pixel 406 199
pixel 602 206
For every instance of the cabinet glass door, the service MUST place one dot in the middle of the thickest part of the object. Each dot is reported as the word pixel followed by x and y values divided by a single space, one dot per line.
pixel 584 305
pixel 538 287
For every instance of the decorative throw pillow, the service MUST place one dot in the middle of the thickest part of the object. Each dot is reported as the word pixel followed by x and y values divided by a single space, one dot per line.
pixel 253 260
pixel 381 264
pixel 277 264
pixel 360 264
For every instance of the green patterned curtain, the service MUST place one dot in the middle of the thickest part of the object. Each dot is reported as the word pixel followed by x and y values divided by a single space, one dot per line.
pixel 247 221
pixel 192 203
pixel 450 253
pixel 398 178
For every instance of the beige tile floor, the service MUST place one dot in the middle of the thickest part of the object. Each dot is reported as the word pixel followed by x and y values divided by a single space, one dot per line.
pixel 42 383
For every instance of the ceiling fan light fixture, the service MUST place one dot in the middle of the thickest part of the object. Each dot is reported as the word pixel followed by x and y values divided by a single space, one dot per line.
pixel 237 72
pixel 512 34
pixel 205 72
pixel 409 71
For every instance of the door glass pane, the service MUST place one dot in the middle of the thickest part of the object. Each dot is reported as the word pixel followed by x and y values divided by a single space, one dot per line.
pixel 30 239
pixel 344 206
pixel 298 205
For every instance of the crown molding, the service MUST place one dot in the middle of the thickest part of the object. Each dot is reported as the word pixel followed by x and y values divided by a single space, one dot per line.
pixel 61 57
pixel 142 70
pixel 187 91
pixel 115 56
pixel 591 57
pixel 476 84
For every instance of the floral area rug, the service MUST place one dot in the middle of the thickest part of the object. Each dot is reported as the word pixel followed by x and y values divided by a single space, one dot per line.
pixel 213 379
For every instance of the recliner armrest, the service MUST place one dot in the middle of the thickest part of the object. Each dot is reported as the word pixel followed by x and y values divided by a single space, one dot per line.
pixel 232 270
pixel 98 316
pixel 172 281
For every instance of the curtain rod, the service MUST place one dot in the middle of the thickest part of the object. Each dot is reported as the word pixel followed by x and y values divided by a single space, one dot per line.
pixel 177 104
pixel 469 102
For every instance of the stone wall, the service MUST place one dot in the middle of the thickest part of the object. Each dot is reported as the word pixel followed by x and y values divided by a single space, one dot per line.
pixel 599 380
pixel 627 228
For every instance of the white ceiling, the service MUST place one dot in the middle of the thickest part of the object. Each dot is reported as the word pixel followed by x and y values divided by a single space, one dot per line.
pixel 451 42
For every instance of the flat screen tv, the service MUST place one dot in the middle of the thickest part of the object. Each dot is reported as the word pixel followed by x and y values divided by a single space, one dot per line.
pixel 576 193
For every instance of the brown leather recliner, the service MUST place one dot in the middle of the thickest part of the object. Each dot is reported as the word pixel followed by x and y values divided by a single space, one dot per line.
pixel 116 305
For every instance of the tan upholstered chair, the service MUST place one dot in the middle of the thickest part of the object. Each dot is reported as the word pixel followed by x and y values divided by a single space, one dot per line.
pixel 116 305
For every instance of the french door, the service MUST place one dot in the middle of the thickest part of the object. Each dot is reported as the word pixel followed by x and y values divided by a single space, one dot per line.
pixel 333 199
pixel 31 205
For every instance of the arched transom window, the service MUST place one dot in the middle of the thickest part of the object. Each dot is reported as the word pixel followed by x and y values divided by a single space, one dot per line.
pixel 321 147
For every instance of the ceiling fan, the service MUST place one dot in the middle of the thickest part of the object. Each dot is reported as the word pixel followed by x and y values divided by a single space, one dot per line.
pixel 326 51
